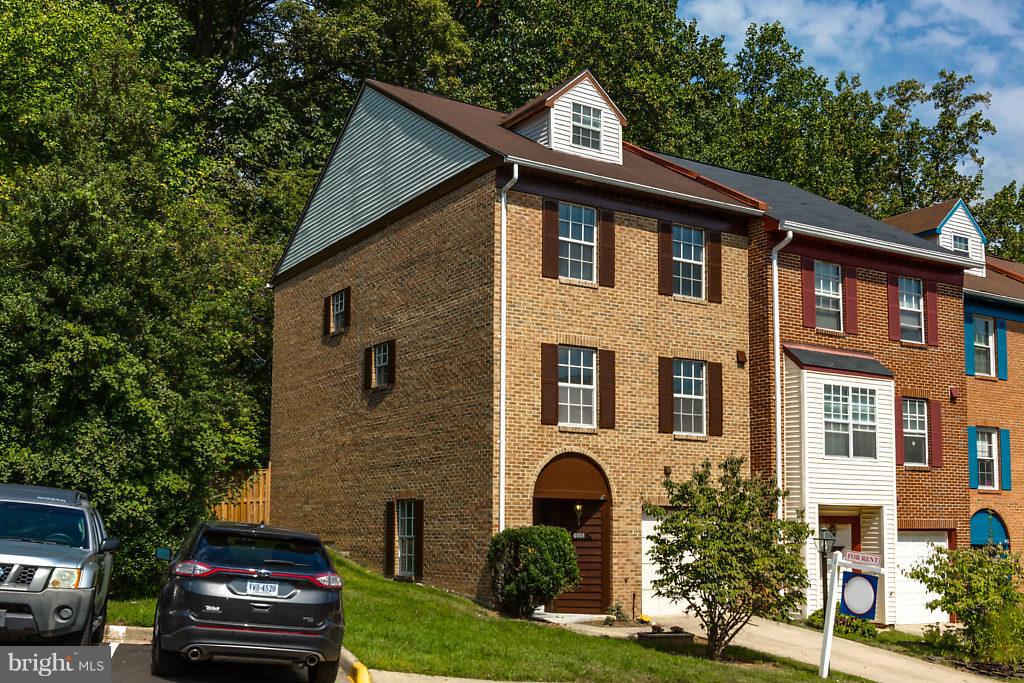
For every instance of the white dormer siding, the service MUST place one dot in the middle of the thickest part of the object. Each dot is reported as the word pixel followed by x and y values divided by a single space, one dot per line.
pixel 537 127
pixel 959 223
pixel 586 94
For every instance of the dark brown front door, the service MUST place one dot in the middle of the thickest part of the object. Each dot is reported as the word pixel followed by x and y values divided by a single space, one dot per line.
pixel 587 533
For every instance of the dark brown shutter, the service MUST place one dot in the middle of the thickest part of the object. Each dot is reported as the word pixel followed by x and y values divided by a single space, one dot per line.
pixel 931 313
pixel 348 306
pixel 606 246
pixel 666 412
pixel 850 300
pixel 714 399
pixel 368 368
pixel 807 291
pixel 327 316
pixel 935 433
pixel 606 390
pixel 549 384
pixel 389 538
pixel 900 454
pixel 665 258
pixel 892 287
pixel 417 525
pixel 391 361
pixel 713 250
pixel 549 239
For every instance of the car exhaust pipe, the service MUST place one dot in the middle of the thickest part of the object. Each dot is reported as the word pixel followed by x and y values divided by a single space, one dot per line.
pixel 312 660
pixel 194 654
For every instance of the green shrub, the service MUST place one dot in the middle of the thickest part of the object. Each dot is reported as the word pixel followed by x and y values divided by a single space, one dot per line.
pixel 845 624
pixel 531 566
pixel 1003 635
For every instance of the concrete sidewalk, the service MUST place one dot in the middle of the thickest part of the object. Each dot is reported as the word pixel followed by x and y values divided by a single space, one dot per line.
pixel 804 645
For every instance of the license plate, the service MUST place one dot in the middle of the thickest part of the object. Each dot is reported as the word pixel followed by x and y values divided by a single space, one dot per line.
pixel 261 588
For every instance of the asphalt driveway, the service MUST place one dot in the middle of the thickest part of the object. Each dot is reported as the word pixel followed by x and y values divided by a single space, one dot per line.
pixel 131 665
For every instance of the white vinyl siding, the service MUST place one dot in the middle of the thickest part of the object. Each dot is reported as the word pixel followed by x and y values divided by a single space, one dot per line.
pixel 915 431
pixel 960 225
pixel 828 295
pixel 561 124
pixel 688 261
pixel 911 299
pixel 689 394
pixel 984 346
pixel 537 127
pixel 988 459
pixel 576 378
pixel 577 241
pixel 405 511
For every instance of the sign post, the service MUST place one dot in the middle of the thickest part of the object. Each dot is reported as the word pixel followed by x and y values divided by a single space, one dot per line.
pixel 859 602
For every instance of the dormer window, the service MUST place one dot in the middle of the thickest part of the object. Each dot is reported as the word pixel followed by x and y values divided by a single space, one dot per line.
pixel 961 245
pixel 586 126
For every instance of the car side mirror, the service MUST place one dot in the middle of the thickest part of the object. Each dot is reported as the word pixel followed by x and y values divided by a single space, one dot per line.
pixel 163 554
pixel 109 545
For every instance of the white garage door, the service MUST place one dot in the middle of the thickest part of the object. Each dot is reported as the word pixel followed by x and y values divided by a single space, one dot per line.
pixel 911 596
pixel 651 604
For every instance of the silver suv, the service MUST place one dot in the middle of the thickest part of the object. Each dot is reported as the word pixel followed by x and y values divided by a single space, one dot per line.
pixel 55 561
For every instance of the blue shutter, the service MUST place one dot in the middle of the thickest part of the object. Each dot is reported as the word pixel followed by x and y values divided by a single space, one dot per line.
pixel 972 454
pixel 969 344
pixel 1005 483
pixel 1001 348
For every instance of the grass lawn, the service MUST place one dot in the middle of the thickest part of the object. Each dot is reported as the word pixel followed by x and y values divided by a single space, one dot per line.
pixel 404 627
pixel 890 639
pixel 131 612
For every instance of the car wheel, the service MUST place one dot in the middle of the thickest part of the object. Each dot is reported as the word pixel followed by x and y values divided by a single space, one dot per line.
pixel 81 638
pixel 101 628
pixel 163 662
pixel 324 672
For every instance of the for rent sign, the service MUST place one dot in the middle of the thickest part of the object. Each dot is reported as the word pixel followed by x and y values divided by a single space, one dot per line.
pixel 863 558
pixel 59 664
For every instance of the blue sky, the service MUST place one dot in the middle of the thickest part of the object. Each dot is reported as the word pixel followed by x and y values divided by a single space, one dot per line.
pixel 889 41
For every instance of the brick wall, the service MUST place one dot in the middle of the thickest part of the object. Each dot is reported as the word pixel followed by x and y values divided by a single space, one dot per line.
pixel 639 325
pixel 339 452
pixel 993 403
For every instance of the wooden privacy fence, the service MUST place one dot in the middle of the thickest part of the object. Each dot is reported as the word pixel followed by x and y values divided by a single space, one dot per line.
pixel 248 503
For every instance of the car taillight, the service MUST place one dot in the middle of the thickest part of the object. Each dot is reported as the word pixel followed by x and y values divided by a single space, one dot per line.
pixel 192 568
pixel 331 580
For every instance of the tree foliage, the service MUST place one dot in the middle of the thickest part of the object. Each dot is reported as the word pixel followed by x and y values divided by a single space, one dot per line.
pixel 722 553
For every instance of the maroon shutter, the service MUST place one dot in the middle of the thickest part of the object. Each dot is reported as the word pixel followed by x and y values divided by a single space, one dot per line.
pixel 368 368
pixel 900 455
pixel 327 316
pixel 606 246
pixel 807 291
pixel 417 526
pixel 666 410
pixel 931 313
pixel 549 239
pixel 850 300
pixel 549 384
pixel 389 538
pixel 391 361
pixel 714 399
pixel 606 389
pixel 935 433
pixel 713 248
pixel 348 306
pixel 893 295
pixel 665 259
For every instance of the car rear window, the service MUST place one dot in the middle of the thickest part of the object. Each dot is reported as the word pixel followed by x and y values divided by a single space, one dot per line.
pixel 229 549
pixel 38 523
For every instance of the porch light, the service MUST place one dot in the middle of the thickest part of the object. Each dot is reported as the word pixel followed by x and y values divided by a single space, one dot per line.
pixel 825 541
pixel 579 512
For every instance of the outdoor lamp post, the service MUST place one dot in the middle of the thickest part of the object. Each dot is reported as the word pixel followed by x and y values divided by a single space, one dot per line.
pixel 825 542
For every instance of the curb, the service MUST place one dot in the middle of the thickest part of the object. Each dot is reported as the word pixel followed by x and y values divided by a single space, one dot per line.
pixel 353 668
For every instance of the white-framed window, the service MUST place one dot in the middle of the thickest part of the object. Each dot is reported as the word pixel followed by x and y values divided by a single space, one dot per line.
pixel 988 448
pixel 915 431
pixel 984 346
pixel 688 261
pixel 577 230
pixel 586 126
pixel 850 421
pixel 828 295
pixel 381 365
pixel 961 245
pixel 338 303
pixel 576 386
pixel 911 296
pixel 405 520
pixel 689 394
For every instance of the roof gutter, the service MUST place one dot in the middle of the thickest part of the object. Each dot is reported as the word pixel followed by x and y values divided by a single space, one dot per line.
pixel 638 187
pixel 880 245
pixel 994 297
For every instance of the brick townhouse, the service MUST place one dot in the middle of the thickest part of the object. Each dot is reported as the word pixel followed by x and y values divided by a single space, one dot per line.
pixel 485 320
pixel 870 367
pixel 994 365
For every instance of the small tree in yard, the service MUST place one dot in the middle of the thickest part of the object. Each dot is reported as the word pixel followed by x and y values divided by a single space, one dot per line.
pixel 724 554
pixel 530 566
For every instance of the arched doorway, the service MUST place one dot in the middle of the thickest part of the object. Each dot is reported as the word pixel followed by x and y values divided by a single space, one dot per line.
pixel 987 528
pixel 572 492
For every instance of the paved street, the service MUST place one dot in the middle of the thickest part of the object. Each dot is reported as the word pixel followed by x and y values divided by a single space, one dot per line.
pixel 131 665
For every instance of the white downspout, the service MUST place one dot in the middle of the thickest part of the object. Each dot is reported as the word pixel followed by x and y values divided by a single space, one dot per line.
pixel 778 362
pixel 501 353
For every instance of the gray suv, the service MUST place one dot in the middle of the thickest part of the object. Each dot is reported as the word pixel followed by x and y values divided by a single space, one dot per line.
pixel 55 561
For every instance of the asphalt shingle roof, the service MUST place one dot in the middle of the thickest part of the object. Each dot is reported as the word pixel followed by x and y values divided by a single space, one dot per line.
pixel 829 360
